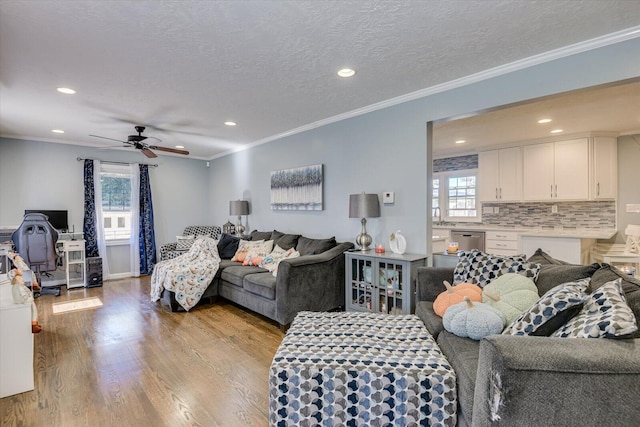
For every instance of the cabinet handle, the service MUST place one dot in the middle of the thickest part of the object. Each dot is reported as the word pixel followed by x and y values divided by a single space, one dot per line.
pixel 500 245
pixel 556 191
pixel 551 189
pixel 500 193
pixel 496 193
pixel 597 189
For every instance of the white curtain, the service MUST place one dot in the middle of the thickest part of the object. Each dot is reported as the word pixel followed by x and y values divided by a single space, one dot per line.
pixel 102 243
pixel 134 240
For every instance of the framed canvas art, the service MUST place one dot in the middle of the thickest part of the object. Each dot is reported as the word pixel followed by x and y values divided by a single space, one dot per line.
pixel 297 189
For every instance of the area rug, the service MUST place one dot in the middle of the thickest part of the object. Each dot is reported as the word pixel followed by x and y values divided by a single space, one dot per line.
pixel 80 304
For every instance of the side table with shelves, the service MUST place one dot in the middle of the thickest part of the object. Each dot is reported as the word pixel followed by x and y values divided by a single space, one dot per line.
pixel 381 283
pixel 74 257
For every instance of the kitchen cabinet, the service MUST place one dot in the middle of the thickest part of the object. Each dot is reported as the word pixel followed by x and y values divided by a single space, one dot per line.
pixel 501 243
pixel 381 283
pixel 500 175
pixel 556 170
pixel 604 184
pixel 573 250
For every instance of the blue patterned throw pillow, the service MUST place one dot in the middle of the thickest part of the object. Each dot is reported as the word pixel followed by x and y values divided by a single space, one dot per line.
pixel 479 268
pixel 551 311
pixel 605 314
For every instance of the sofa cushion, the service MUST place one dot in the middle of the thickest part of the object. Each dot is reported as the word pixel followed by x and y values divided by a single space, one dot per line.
pixel 462 354
pixel 433 322
pixel 307 246
pixel 551 311
pixel 236 273
pixel 542 258
pixel 224 263
pixel 258 252
pixel 227 246
pixel 263 284
pixel 285 241
pixel 553 275
pixel 260 235
pixel 630 287
pixel 605 314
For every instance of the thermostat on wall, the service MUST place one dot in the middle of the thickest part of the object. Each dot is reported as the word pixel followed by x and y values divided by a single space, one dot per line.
pixel 388 197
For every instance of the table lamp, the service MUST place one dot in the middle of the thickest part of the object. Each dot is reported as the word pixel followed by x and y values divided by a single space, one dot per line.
pixel 364 206
pixel 239 207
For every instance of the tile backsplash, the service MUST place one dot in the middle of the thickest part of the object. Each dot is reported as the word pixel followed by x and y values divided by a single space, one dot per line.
pixel 588 215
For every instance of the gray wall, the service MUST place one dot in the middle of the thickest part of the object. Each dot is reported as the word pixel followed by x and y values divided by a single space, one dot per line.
pixel 628 179
pixel 40 175
pixel 386 150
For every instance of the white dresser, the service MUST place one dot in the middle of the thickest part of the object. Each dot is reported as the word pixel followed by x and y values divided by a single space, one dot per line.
pixel 16 343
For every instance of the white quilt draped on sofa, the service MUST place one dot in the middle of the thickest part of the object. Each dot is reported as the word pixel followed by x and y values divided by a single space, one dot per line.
pixel 187 275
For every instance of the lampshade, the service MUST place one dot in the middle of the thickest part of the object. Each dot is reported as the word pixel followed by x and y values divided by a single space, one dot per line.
pixel 238 207
pixel 364 206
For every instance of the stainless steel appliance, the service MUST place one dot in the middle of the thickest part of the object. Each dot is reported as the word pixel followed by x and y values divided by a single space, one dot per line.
pixel 468 240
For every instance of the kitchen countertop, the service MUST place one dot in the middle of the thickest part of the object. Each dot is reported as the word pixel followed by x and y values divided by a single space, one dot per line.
pixel 575 233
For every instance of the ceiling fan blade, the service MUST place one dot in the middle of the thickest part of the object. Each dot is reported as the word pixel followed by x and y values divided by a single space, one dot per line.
pixel 150 154
pixel 112 139
pixel 170 150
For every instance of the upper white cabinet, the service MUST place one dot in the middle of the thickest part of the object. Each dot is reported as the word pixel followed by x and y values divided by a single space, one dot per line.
pixel 500 175
pixel 556 170
pixel 604 184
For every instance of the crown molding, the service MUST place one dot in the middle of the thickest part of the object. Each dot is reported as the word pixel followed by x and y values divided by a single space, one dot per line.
pixel 563 52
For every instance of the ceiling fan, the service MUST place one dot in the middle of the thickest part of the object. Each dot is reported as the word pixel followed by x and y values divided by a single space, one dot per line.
pixel 136 141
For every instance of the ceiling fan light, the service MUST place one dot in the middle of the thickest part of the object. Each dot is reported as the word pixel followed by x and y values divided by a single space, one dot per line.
pixel 179 146
pixel 230 123
pixel 461 141
pixel 347 72
pixel 57 131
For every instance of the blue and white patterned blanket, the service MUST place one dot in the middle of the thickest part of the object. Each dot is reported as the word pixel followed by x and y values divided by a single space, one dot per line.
pixel 366 369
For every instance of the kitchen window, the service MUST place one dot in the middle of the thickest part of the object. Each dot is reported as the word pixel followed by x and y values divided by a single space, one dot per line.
pixel 455 196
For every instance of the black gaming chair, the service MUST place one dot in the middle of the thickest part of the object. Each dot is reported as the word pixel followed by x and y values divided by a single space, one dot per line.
pixel 35 241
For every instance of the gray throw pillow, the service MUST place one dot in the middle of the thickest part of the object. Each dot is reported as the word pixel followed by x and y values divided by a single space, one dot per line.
pixel 260 235
pixel 285 241
pixel 552 275
pixel 308 246
pixel 542 258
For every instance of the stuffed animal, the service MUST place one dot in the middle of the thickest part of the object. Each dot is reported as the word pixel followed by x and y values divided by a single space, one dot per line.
pixel 18 261
pixel 511 294
pixel 22 295
pixel 473 320
pixel 454 295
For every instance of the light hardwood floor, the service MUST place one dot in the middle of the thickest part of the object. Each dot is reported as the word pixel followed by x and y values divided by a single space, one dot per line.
pixel 134 363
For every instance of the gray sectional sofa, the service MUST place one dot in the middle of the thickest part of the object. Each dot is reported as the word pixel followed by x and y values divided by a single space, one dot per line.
pixel 541 381
pixel 314 281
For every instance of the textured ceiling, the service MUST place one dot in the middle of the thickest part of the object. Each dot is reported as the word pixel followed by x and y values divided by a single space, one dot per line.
pixel 184 67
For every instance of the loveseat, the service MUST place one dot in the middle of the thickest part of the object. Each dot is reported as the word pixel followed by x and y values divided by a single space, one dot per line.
pixel 314 281
pixel 540 380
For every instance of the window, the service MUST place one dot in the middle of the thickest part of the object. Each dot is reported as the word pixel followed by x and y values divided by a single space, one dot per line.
pixel 455 194
pixel 116 201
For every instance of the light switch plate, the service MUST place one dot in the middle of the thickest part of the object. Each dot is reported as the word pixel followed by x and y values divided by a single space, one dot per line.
pixel 633 208
pixel 388 197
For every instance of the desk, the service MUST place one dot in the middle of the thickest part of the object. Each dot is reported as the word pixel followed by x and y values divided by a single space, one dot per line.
pixel 16 343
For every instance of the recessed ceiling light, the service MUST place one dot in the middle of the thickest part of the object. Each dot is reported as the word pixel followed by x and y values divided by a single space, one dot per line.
pixel 347 72
pixel 543 121
pixel 556 131
pixel 57 131
pixel 230 123
pixel 179 146
pixel 66 90
pixel 460 141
